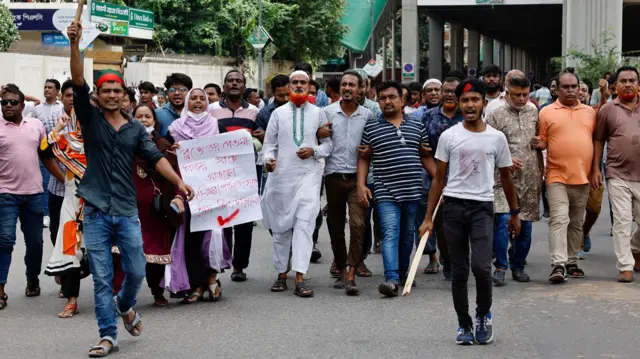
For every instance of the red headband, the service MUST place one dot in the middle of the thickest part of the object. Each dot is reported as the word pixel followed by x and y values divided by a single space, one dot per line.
pixel 109 78
pixel 468 87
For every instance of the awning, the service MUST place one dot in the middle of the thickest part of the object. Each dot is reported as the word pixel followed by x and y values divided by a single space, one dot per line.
pixel 357 18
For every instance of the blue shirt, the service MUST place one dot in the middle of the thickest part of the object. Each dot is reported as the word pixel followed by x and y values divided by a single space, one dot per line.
pixel 264 115
pixel 396 158
pixel 436 122
pixel 322 100
pixel 166 115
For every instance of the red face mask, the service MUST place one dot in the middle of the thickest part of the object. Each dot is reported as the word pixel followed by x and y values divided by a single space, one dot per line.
pixel 628 96
pixel 298 99
pixel 311 99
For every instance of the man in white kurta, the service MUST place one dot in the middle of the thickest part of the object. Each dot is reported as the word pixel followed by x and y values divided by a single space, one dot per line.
pixel 291 200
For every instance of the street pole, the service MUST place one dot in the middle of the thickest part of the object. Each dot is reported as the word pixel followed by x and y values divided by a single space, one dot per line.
pixel 260 49
pixel 373 49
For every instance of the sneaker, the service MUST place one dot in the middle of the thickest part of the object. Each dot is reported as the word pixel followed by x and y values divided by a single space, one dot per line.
pixel 519 275
pixel 46 221
pixel 465 336
pixel 388 289
pixel 587 244
pixel 498 277
pixel 581 254
pixel 484 329
pixel 558 274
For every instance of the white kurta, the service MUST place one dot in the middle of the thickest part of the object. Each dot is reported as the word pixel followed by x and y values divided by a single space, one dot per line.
pixel 293 189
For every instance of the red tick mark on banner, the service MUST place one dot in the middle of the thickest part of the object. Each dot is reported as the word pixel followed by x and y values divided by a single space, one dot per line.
pixel 223 221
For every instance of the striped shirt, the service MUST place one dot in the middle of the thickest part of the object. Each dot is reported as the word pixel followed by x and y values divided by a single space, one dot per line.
pixel 397 169
pixel 242 118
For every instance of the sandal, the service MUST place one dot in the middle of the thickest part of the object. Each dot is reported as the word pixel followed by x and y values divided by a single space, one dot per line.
pixel 192 298
pixel 69 311
pixel 303 291
pixel 3 301
pixel 334 271
pixel 32 290
pixel 213 289
pixel 60 293
pixel 363 271
pixel 280 285
pixel 134 327
pixel 432 268
pixel 106 349
pixel 574 271
pixel 160 301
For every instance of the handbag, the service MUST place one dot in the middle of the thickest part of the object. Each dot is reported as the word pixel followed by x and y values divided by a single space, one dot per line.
pixel 157 200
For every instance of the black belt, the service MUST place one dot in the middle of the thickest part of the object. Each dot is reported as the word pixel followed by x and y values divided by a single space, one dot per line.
pixel 344 176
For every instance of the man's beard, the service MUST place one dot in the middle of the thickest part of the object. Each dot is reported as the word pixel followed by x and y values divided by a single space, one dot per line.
pixel 298 97
pixel 628 96
pixel 493 88
pixel 449 106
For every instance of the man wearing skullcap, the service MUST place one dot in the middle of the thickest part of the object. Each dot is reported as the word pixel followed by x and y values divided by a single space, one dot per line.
pixel 291 200
pixel 468 153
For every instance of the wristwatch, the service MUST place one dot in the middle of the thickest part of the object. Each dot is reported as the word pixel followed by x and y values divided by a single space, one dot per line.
pixel 514 212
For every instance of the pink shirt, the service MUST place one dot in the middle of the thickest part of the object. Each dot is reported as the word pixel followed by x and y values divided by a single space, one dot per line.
pixel 19 162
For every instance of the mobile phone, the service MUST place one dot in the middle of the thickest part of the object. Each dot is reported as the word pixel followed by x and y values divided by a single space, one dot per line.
pixel 175 208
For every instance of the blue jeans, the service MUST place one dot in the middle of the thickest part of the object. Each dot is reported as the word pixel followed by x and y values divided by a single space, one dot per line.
pixel 100 231
pixel 45 183
pixel 430 248
pixel 521 243
pixel 27 208
pixel 398 224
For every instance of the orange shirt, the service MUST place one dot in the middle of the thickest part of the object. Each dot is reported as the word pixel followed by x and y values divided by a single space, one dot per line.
pixel 569 136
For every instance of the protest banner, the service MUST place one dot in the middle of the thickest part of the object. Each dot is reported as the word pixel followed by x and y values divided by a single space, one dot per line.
pixel 221 169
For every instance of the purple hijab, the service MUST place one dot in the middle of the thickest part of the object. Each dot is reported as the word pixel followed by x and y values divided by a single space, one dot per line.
pixel 189 126
pixel 215 252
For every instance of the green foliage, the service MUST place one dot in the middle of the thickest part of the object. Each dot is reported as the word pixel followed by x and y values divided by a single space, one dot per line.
pixel 605 57
pixel 300 30
pixel 8 29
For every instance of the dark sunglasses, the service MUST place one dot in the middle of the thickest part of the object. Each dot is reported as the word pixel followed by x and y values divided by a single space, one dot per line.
pixel 10 102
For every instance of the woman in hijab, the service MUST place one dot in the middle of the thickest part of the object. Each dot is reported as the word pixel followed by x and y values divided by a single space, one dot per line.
pixel 197 257
pixel 154 195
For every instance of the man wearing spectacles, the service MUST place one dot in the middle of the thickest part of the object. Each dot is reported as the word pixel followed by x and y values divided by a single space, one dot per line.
pixel 20 188
pixel 177 86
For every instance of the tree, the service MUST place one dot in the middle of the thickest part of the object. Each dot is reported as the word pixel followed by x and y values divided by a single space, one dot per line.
pixel 605 58
pixel 300 29
pixel 8 29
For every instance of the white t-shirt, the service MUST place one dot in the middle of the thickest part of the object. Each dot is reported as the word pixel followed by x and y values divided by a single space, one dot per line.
pixel 472 158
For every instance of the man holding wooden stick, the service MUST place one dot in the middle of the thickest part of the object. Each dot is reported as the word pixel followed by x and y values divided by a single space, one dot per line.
pixel 112 140
pixel 469 151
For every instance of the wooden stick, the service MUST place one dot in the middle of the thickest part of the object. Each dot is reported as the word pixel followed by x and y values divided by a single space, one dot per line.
pixel 416 258
pixel 79 10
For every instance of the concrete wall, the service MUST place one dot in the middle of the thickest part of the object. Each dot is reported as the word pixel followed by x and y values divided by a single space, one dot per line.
pixel 30 71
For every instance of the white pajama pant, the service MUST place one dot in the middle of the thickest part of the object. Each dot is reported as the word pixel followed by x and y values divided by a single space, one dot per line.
pixel 299 241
